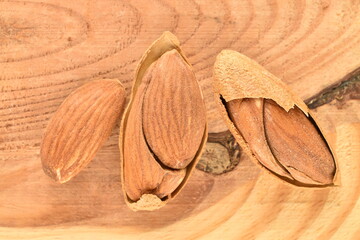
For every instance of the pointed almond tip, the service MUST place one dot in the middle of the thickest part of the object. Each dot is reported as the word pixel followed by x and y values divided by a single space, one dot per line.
pixel 55 175
pixel 58 176
pixel 61 178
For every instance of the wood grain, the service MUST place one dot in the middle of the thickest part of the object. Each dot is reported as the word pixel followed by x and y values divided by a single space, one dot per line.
pixel 49 48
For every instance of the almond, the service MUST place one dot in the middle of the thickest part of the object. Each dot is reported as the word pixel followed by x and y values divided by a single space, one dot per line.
pixel 175 122
pixel 79 128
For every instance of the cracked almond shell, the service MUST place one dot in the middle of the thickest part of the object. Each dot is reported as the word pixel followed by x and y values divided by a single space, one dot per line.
pixel 241 83
pixel 165 45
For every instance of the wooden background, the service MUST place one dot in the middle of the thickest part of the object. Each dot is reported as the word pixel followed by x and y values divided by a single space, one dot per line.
pixel 49 48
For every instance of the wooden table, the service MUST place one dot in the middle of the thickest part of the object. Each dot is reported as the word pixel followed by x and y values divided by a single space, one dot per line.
pixel 49 48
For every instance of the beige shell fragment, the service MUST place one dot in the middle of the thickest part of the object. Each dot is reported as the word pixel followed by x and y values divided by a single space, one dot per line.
pixel 256 82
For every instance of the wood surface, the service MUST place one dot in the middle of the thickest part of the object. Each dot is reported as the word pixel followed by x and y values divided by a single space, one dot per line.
pixel 49 48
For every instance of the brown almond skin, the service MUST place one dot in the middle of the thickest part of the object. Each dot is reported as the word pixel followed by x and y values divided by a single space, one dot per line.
pixel 142 173
pixel 171 180
pixel 298 145
pixel 173 111
pixel 157 188
pixel 79 127
pixel 247 115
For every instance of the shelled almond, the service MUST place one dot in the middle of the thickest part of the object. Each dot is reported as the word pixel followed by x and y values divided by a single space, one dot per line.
pixel 80 126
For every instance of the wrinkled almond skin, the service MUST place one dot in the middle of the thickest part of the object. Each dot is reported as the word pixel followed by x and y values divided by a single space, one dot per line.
pixel 173 123
pixel 298 145
pixel 142 173
pixel 79 127
pixel 138 157
pixel 164 129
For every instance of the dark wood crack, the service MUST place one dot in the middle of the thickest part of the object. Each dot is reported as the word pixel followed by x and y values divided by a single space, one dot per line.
pixel 347 89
